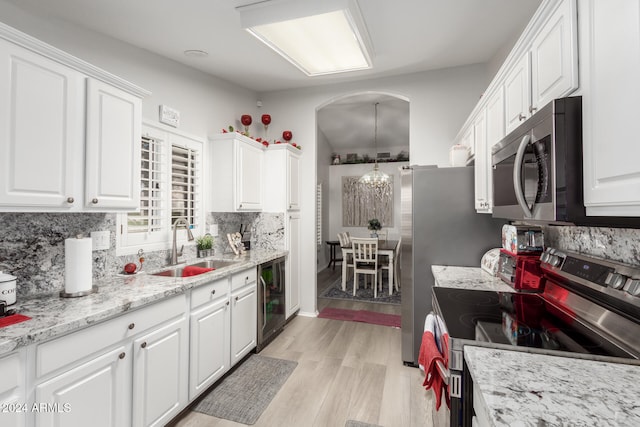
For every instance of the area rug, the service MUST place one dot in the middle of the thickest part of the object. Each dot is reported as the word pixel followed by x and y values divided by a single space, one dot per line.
pixel 362 294
pixel 363 316
pixel 247 391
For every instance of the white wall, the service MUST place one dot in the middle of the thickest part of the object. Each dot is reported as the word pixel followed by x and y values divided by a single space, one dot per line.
pixel 206 103
pixel 440 102
pixel 323 155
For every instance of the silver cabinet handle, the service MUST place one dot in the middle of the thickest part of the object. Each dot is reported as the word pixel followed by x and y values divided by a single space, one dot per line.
pixel 521 117
pixel 143 345
pixel 213 292
pixel 121 355
pixel 227 302
pixel 70 200
pixel 132 325
pixel 532 109
pixel 94 201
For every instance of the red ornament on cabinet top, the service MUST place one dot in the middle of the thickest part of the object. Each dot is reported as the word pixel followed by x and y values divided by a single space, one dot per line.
pixel 266 119
pixel 246 119
pixel 287 135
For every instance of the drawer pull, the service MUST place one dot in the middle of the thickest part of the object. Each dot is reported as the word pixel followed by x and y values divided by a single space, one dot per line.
pixel 521 117
pixel 121 355
pixel 70 200
pixel 132 325
pixel 143 345
pixel 237 299
pixel 213 292
pixel 94 201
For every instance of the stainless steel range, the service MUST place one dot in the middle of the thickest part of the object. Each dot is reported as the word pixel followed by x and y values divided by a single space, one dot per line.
pixel 589 308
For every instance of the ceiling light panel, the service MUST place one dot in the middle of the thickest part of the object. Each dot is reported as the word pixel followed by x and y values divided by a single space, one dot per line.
pixel 318 39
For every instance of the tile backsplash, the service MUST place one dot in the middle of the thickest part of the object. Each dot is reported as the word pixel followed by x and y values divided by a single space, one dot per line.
pixel 32 244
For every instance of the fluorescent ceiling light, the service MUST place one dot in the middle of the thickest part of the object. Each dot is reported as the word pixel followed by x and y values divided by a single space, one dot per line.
pixel 324 38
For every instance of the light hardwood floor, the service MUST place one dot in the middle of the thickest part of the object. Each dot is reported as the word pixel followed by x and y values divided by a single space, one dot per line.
pixel 346 371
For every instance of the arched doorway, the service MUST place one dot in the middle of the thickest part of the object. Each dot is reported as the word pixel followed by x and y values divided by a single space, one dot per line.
pixel 345 129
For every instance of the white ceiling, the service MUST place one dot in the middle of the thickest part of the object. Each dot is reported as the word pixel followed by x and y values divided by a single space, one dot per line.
pixel 407 36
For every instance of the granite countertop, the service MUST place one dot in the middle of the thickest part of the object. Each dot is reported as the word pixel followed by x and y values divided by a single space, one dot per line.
pixel 468 278
pixel 524 389
pixel 52 315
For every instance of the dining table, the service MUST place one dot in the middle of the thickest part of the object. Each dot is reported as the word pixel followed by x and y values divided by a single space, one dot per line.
pixel 385 247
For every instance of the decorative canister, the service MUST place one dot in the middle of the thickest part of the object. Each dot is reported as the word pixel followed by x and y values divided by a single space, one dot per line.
pixel 7 288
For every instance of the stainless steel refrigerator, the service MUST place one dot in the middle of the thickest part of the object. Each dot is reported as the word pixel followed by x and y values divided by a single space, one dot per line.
pixel 439 227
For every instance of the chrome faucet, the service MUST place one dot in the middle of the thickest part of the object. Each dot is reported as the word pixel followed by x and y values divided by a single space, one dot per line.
pixel 174 249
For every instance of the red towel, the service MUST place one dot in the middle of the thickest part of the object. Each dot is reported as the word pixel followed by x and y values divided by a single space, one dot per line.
pixel 427 357
pixel 192 270
pixel 12 319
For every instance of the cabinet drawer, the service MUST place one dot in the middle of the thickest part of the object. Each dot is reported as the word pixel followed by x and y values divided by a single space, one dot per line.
pixel 54 354
pixel 243 278
pixel 209 292
pixel 11 373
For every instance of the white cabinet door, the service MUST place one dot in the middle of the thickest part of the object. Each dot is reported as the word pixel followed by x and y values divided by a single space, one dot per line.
pixel 96 393
pixel 554 59
pixel 210 347
pixel 495 132
pixel 292 282
pixel 13 404
pixel 249 177
pixel 243 321
pixel 41 131
pixel 292 183
pixel 517 94
pixel 160 374
pixel 481 169
pixel 114 120
pixel 609 68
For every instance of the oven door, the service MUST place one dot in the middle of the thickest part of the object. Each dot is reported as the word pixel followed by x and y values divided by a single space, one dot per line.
pixel 523 178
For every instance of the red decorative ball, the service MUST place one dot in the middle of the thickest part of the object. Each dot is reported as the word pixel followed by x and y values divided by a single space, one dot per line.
pixel 287 135
pixel 266 119
pixel 246 119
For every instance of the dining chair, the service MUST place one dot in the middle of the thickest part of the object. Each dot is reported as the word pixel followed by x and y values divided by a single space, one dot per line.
pixel 365 260
pixel 346 258
pixel 386 265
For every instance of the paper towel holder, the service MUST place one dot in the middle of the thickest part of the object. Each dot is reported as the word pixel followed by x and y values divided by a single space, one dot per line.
pixel 93 289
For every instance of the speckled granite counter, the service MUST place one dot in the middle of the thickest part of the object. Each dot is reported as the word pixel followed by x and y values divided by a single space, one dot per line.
pixel 468 278
pixel 524 389
pixel 52 316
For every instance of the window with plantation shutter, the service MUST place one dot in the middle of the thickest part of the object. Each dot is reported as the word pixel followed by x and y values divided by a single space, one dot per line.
pixel 185 194
pixel 170 188
pixel 152 185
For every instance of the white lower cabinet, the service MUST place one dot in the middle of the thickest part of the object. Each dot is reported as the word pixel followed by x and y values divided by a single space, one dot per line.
pixel 243 314
pixel 13 406
pixel 210 341
pixel 292 284
pixel 94 393
pixel 160 374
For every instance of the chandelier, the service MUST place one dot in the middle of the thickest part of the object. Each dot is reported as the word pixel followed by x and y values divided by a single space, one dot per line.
pixel 375 178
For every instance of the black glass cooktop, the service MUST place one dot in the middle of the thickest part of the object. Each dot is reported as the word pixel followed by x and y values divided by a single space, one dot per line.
pixel 517 319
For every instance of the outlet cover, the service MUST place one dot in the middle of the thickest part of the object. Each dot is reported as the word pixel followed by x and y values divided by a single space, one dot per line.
pixel 213 230
pixel 101 240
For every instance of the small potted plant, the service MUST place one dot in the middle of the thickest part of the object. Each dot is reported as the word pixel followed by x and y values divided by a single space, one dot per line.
pixel 205 245
pixel 374 226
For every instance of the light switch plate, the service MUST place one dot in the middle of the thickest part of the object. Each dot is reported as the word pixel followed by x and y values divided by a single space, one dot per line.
pixel 213 230
pixel 101 240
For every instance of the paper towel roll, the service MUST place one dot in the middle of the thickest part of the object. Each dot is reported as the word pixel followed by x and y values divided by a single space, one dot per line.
pixel 78 265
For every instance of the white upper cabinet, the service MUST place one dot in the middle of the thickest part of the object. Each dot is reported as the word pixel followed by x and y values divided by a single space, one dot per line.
pixel 554 57
pixel 610 67
pixel 517 94
pixel 281 178
pixel 235 173
pixel 114 121
pixel 69 132
pixel 42 131
pixel 547 67
pixel 481 170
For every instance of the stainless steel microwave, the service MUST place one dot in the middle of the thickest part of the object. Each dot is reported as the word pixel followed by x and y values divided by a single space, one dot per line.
pixel 537 168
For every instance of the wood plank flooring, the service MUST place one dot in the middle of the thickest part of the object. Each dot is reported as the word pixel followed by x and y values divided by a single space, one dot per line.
pixel 346 371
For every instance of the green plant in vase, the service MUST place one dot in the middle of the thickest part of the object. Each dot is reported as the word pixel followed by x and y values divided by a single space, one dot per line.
pixel 374 226
pixel 205 245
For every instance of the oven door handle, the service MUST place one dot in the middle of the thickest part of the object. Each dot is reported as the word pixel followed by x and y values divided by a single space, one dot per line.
pixel 517 176
pixel 444 372
pixel 264 302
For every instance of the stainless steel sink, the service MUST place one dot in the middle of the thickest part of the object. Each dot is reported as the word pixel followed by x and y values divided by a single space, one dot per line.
pixel 177 272
pixel 214 263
